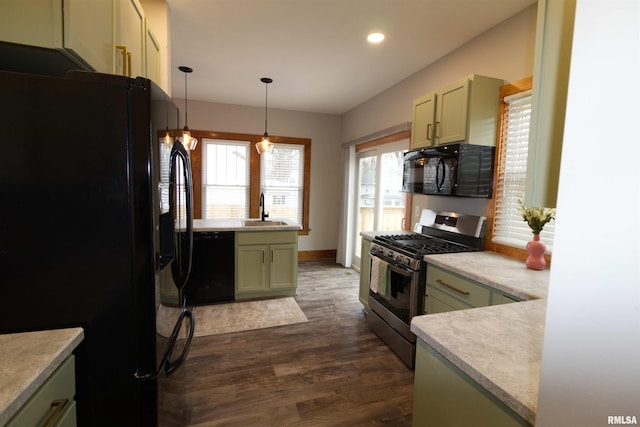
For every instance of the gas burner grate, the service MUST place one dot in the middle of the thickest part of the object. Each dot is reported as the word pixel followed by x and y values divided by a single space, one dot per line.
pixel 418 245
pixel 436 247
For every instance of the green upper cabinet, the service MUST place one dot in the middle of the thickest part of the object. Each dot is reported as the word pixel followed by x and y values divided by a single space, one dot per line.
pixel 552 58
pixel 130 39
pixel 108 36
pixel 465 111
pixel 424 110
pixel 451 113
pixel 152 54
pixel 82 30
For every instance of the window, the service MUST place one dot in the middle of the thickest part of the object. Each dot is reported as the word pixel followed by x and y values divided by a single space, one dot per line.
pixel 231 176
pixel 509 228
pixel 225 179
pixel 282 181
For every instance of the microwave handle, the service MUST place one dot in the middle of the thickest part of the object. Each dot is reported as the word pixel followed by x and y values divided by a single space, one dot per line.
pixel 440 180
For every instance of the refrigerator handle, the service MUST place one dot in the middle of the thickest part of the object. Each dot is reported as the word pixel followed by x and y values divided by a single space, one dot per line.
pixel 182 263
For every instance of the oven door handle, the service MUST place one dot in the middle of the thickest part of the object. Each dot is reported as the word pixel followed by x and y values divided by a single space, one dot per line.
pixel 400 270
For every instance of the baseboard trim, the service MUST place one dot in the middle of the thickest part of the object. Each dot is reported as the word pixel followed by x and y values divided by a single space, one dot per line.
pixel 317 255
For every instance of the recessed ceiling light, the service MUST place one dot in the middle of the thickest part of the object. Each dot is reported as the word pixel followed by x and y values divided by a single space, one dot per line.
pixel 375 37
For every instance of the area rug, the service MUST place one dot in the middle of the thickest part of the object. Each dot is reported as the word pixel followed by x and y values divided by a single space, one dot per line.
pixel 234 316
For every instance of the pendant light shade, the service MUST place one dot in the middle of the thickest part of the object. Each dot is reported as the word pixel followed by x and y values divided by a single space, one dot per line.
pixel 187 140
pixel 265 146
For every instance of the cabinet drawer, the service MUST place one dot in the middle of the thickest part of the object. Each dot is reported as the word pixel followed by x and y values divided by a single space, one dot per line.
pixel 59 387
pixel 458 287
pixel 500 298
pixel 440 302
pixel 265 237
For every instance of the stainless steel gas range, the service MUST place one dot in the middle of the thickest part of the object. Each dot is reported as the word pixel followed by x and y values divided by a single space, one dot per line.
pixel 398 273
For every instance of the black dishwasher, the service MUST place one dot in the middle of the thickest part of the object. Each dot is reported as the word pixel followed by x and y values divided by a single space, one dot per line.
pixel 212 268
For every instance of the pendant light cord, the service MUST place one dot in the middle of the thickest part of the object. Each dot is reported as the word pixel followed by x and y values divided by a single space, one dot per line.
pixel 186 103
pixel 186 70
pixel 266 89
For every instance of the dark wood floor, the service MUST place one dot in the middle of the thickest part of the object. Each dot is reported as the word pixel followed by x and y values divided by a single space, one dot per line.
pixel 330 371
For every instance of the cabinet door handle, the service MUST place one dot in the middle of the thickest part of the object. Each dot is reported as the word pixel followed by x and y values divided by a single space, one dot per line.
pixel 58 406
pixel 129 64
pixel 125 55
pixel 428 131
pixel 453 288
pixel 436 127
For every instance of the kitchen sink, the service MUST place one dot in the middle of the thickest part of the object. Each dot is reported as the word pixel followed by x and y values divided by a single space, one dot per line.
pixel 258 223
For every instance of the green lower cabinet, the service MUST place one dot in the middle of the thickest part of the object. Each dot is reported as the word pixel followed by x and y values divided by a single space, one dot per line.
pixel 500 298
pixel 53 404
pixel 444 396
pixel 266 264
pixel 440 302
pixel 449 291
pixel 365 272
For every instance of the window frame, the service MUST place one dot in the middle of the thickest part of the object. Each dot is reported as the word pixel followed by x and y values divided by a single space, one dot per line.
pixel 299 189
pixel 505 91
pixel 254 170
pixel 206 144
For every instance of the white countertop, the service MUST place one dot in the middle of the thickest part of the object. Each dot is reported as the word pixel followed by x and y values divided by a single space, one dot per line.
pixel 500 347
pixel 28 359
pixel 238 225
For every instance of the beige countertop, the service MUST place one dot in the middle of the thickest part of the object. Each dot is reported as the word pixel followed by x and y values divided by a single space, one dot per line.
pixel 271 224
pixel 497 271
pixel 500 347
pixel 28 359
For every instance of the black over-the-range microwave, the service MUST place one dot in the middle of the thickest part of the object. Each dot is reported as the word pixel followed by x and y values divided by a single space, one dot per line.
pixel 462 170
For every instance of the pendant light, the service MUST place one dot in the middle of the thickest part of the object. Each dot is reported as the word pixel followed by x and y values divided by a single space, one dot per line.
pixel 187 140
pixel 265 146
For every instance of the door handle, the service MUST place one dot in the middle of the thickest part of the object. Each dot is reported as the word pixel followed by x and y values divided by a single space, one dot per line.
pixel 126 56
pixel 58 406
pixel 453 288
pixel 180 270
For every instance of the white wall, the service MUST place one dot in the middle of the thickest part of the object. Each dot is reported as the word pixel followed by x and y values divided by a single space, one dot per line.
pixel 326 173
pixel 591 357
pixel 505 51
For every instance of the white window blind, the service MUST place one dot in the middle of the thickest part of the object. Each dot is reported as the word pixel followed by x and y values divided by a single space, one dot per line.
pixel 509 227
pixel 225 179
pixel 282 181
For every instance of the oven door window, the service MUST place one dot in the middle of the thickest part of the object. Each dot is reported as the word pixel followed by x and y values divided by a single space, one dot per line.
pixel 391 287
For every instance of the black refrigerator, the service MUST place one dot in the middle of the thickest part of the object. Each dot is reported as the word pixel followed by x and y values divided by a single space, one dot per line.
pixel 92 186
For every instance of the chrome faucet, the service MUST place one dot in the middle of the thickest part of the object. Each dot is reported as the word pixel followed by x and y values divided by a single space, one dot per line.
pixel 263 215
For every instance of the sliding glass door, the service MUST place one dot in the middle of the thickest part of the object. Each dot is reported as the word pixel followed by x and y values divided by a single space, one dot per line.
pixel 381 204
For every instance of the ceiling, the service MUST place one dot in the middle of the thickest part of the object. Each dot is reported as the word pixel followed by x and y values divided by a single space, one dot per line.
pixel 316 51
